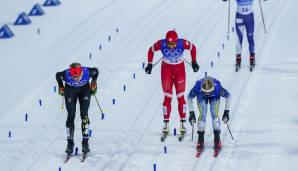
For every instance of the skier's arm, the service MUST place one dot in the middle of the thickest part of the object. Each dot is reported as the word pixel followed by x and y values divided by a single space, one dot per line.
pixel 192 48
pixel 155 47
pixel 93 74
pixel 224 93
pixel 60 76
pixel 190 96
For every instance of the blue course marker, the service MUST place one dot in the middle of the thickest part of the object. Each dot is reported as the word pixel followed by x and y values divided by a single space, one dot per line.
pixel 55 89
pixel 211 64
pixel 59 169
pixel 9 134
pixel 134 76
pixel 40 104
pixel 143 65
pixel 26 117
pixel 90 132
pixel 205 74
pixel 165 149
pixel 90 55
pixel 102 116
pixel 154 167
pixel 218 54
pixel 114 101
pixel 124 88
pixel 76 151
pixel 223 46
pixel 175 132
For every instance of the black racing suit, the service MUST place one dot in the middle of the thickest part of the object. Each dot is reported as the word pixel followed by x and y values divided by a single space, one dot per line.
pixel 71 95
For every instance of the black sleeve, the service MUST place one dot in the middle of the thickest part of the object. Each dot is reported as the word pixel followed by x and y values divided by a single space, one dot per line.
pixel 93 74
pixel 60 76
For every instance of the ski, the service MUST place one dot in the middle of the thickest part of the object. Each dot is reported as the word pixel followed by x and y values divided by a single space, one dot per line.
pixel 199 152
pixel 163 137
pixel 217 151
pixel 181 137
pixel 237 67
pixel 251 67
pixel 84 156
pixel 68 156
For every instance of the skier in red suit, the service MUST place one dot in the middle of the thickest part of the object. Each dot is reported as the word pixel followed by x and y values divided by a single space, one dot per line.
pixel 173 73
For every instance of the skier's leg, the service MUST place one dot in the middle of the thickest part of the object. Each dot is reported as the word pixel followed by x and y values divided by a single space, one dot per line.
pixel 239 24
pixel 249 25
pixel 167 85
pixel 70 103
pixel 214 106
pixel 202 105
pixel 179 82
pixel 84 99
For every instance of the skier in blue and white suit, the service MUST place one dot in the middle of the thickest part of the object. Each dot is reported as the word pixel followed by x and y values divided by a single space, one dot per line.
pixel 245 20
pixel 208 90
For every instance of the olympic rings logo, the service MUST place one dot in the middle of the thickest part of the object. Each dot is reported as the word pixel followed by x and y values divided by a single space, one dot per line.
pixel 172 52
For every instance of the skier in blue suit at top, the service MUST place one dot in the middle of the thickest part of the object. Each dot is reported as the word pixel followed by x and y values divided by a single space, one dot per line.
pixel 245 20
pixel 208 90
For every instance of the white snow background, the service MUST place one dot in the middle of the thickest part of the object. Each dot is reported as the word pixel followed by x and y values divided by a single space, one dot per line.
pixel 264 119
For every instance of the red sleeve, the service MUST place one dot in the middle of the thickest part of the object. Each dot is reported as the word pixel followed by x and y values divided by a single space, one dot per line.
pixel 192 48
pixel 155 47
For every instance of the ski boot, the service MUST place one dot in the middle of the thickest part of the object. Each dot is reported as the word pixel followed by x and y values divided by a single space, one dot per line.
pixel 238 62
pixel 217 143
pixel 182 130
pixel 200 143
pixel 165 130
pixel 252 61
pixel 85 147
pixel 70 147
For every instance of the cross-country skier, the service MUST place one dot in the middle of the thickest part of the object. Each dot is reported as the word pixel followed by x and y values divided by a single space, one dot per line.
pixel 77 87
pixel 245 21
pixel 208 90
pixel 173 73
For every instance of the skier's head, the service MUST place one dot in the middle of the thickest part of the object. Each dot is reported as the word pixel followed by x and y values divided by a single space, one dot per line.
pixel 172 38
pixel 75 70
pixel 207 86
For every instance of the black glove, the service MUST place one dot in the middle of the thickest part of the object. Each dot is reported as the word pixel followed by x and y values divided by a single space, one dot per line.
pixel 195 66
pixel 192 118
pixel 148 68
pixel 224 0
pixel 225 116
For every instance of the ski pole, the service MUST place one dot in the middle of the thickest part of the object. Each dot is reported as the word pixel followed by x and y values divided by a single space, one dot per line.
pixel 230 131
pixel 192 128
pixel 98 104
pixel 156 62
pixel 187 62
pixel 229 13
pixel 262 16
pixel 62 103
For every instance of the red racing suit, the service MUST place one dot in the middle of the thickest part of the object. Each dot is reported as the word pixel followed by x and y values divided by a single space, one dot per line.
pixel 173 73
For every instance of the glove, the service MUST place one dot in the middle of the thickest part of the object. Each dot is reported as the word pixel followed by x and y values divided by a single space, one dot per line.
pixel 93 88
pixel 192 118
pixel 148 68
pixel 61 91
pixel 225 117
pixel 195 66
pixel 224 0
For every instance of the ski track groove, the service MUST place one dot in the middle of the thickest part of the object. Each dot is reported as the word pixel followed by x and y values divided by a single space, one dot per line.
pixel 44 134
pixel 235 109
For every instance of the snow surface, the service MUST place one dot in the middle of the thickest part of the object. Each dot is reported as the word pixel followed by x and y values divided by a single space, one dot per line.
pixel 264 108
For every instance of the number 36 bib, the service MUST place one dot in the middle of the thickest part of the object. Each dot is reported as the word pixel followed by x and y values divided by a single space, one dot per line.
pixel 244 6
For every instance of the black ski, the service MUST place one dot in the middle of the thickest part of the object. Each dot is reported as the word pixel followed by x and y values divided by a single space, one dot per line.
pixel 84 156
pixel 181 137
pixel 251 67
pixel 163 137
pixel 237 67
pixel 68 156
